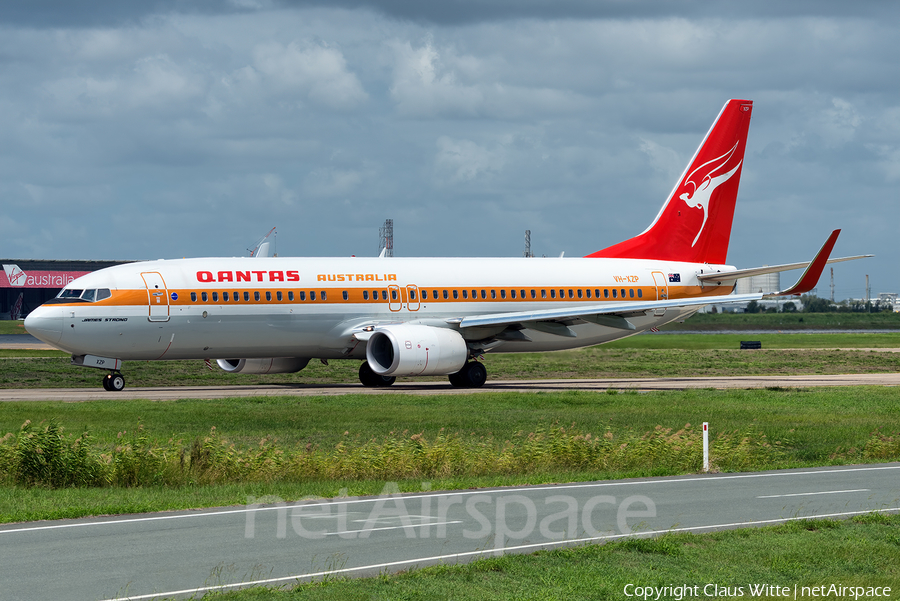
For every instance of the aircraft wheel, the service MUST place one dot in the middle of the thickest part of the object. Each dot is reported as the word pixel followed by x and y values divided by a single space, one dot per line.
pixel 372 380
pixel 114 382
pixel 475 375
pixel 472 375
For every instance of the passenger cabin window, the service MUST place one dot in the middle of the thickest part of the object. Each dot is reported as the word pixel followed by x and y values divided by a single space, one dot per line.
pixel 256 296
pixel 456 295
pixel 215 297
pixel 204 297
pixel 291 295
pixel 345 295
pixel 483 294
pixel 246 297
pixel 312 295
pixel 302 294
pixel 493 294
pixel 268 295
pixel 412 295
pixel 384 295
pixel 614 293
pixel 543 293
pixel 465 294
pixel 640 293
pixel 365 295
pixel 193 297
pixel 503 294
pixel 579 293
pixel 606 293
pixel 631 293
pixel 445 295
pixel 324 296
pixel 225 296
pixel 278 295
pixel 512 294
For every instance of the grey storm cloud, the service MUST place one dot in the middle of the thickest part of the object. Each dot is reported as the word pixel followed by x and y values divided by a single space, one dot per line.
pixel 173 128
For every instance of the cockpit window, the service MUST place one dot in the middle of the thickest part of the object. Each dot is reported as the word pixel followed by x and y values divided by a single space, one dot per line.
pixel 70 295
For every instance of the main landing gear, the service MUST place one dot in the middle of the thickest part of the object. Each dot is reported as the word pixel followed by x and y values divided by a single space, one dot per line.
pixel 372 380
pixel 472 375
pixel 113 381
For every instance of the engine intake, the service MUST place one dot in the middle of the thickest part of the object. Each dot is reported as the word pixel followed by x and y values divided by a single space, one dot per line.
pixel 413 350
pixel 277 365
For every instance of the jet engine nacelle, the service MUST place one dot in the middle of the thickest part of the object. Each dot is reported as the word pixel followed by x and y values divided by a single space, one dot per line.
pixel 413 350
pixel 278 365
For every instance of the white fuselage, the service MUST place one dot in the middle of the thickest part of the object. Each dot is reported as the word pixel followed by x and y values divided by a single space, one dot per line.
pixel 311 307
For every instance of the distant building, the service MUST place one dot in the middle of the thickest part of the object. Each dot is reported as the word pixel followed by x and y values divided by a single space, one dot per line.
pixel 889 298
pixel 38 281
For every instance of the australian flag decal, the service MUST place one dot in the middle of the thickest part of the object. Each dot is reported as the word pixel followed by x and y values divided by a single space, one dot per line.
pixel 674 277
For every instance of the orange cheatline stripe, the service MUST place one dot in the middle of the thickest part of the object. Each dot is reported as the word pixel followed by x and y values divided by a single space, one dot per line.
pixel 139 297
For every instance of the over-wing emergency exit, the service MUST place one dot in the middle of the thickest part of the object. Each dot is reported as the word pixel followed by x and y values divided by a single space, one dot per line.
pixel 420 316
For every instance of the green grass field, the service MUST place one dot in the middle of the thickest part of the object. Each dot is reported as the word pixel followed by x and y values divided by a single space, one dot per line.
pixel 788 321
pixel 12 327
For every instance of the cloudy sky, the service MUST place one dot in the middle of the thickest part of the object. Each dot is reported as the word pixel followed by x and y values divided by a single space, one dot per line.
pixel 133 130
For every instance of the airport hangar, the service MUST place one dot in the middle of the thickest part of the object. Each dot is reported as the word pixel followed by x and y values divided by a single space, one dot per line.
pixel 39 281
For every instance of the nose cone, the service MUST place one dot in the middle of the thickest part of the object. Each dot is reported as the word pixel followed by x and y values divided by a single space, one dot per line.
pixel 45 323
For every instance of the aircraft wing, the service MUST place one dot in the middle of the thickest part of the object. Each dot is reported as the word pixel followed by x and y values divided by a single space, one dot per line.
pixel 608 314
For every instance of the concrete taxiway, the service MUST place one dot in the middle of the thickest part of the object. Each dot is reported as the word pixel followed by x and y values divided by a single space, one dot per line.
pixel 274 543
pixel 603 384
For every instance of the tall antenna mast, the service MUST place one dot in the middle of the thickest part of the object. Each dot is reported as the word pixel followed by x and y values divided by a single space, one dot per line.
pixel 528 253
pixel 832 285
pixel 386 238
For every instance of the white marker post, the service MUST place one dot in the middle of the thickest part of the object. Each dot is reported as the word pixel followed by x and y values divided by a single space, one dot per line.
pixel 705 446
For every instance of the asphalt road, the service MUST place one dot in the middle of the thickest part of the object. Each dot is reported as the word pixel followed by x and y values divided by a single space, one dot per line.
pixel 269 542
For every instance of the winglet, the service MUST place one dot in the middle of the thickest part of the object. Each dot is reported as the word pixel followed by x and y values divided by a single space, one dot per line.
pixel 813 272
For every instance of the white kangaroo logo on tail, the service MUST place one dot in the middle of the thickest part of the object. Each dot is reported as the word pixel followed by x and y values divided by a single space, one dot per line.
pixel 699 197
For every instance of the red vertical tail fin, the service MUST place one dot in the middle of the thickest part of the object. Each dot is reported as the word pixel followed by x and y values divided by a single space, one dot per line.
pixel 694 224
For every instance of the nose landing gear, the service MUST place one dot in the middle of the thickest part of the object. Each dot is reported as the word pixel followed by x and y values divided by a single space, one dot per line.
pixel 114 381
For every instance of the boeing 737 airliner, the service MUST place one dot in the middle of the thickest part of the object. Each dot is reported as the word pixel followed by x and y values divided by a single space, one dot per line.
pixel 425 316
